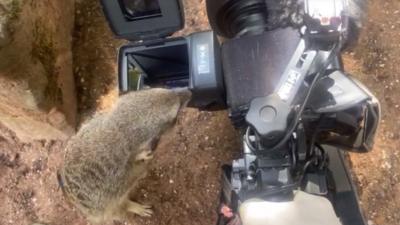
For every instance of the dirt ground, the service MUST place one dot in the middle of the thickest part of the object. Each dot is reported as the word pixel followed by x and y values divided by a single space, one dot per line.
pixel 376 63
pixel 183 183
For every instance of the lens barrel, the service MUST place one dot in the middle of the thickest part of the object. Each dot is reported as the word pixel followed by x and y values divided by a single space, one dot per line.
pixel 234 18
pixel 242 17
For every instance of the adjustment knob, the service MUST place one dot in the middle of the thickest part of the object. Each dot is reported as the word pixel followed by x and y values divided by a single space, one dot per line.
pixel 269 117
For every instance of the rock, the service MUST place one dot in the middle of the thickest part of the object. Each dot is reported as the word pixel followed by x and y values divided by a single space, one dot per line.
pixel 56 118
pixel 37 89
pixel 28 128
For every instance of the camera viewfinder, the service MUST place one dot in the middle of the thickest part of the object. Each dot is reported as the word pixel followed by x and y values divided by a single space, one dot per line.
pixel 140 9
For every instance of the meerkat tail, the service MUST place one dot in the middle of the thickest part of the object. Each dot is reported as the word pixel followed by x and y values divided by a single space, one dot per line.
pixel 138 209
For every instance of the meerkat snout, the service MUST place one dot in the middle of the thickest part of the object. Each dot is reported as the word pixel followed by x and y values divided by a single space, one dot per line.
pixel 184 95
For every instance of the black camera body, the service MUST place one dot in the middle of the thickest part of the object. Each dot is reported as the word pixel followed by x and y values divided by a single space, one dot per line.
pixel 152 59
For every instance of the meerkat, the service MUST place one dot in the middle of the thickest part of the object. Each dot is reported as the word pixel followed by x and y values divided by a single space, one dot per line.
pixel 109 154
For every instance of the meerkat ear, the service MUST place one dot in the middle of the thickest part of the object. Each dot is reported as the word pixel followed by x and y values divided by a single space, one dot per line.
pixel 184 94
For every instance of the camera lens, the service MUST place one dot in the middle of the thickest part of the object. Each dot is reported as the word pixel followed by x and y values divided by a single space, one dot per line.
pixel 233 18
pixel 242 17
pixel 140 9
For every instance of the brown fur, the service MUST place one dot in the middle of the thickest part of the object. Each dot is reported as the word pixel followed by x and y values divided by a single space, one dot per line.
pixel 109 154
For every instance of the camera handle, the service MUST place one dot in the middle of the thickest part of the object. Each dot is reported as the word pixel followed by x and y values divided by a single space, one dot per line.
pixel 266 168
pixel 275 117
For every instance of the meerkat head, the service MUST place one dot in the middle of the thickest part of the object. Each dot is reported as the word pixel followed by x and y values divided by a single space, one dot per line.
pixel 171 101
pixel 184 95
pixel 164 105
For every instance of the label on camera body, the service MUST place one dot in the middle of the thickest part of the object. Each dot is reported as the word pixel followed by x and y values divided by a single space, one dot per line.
pixel 203 59
pixel 286 89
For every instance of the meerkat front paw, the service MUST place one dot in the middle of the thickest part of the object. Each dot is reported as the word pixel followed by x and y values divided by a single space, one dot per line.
pixel 144 155
pixel 139 209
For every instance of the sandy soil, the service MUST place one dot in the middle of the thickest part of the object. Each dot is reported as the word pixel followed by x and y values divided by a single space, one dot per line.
pixel 183 183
